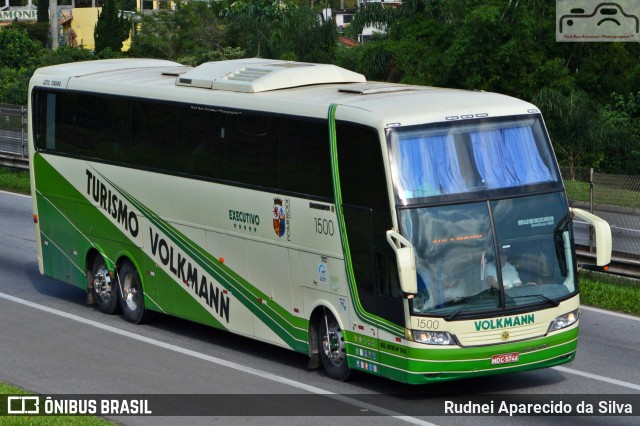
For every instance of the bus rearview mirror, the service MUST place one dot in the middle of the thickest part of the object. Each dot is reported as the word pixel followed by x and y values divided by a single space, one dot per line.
pixel 406 260
pixel 603 235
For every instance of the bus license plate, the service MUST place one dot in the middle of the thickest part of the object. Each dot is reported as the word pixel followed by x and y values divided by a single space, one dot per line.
pixel 505 358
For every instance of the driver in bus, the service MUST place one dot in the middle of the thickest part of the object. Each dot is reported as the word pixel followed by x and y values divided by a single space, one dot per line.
pixel 510 276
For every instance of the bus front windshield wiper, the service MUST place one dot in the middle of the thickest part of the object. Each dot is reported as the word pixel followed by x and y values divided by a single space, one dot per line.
pixel 455 313
pixel 464 300
pixel 539 295
pixel 472 301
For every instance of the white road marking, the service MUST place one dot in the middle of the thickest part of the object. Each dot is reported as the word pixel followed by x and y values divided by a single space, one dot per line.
pixel 598 377
pixel 15 193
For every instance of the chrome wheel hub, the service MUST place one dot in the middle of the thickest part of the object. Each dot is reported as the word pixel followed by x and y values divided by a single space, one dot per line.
pixel 102 283
pixel 333 345
pixel 130 293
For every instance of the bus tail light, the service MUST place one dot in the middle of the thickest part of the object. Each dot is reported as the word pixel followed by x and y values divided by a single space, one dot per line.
pixel 433 337
pixel 564 321
pixel 35 218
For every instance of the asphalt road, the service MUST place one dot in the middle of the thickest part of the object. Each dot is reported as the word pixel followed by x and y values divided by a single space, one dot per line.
pixel 52 343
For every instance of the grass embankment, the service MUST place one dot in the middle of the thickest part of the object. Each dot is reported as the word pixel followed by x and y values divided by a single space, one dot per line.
pixel 14 181
pixel 610 292
pixel 579 191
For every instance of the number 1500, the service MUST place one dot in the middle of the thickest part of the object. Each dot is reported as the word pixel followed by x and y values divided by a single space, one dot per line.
pixel 324 226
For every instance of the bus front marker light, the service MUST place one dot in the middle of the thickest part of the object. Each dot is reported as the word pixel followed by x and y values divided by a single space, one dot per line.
pixel 433 337
pixel 564 321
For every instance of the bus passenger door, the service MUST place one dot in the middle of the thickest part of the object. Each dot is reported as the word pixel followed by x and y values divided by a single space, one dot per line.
pixel 367 217
pixel 374 263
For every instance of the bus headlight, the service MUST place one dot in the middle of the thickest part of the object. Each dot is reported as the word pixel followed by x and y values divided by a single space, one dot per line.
pixel 564 321
pixel 433 337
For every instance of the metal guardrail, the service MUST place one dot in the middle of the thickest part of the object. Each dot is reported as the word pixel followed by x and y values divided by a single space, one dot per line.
pixel 13 136
pixel 619 265
pixel 14 162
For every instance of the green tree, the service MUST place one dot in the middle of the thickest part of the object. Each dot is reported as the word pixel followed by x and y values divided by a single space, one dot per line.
pixel 579 130
pixel 621 116
pixel 371 15
pixel 65 54
pixel 38 31
pixel 496 45
pixel 18 58
pixel 112 28
pixel 280 30
pixel 14 85
pixel 191 34
pixel 17 50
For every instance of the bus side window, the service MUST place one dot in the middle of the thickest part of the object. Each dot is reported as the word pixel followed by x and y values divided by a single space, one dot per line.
pixel 116 129
pixel 45 105
pixel 304 164
pixel 154 136
pixel 76 119
pixel 251 151
pixel 200 144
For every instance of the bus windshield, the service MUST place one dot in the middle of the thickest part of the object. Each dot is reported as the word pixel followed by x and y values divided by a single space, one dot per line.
pixel 463 158
pixel 458 249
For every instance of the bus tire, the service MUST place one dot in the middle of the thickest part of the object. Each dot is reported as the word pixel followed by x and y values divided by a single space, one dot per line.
pixel 132 299
pixel 104 287
pixel 332 348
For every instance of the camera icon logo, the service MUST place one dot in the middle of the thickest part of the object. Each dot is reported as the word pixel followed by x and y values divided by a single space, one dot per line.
pixel 592 20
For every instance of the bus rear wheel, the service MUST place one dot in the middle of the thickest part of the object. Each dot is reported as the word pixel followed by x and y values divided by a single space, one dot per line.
pixel 132 300
pixel 104 287
pixel 332 348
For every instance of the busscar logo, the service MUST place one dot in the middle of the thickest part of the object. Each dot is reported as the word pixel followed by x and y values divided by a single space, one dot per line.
pixel 596 21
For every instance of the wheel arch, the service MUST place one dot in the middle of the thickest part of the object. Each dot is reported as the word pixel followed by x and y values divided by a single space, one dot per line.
pixel 92 252
pixel 127 256
pixel 318 310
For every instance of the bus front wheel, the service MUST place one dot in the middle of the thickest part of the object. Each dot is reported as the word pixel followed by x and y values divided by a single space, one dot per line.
pixel 104 287
pixel 132 300
pixel 332 348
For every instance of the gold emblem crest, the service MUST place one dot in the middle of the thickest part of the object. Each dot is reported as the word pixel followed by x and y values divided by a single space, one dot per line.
pixel 505 335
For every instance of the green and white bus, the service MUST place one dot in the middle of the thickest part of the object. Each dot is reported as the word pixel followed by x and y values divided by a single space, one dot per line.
pixel 300 205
